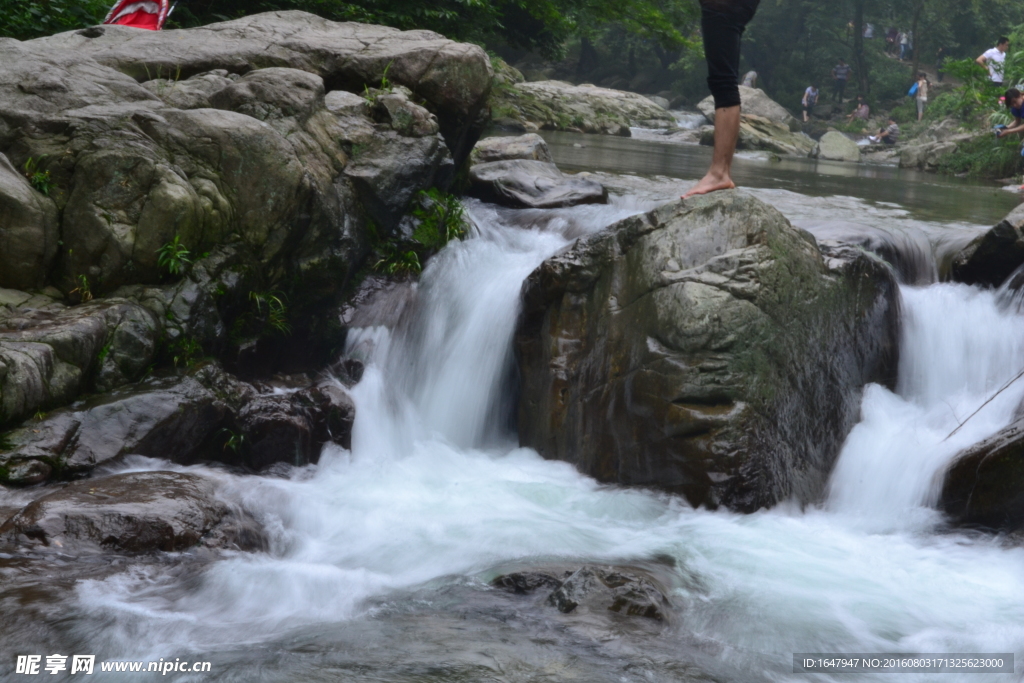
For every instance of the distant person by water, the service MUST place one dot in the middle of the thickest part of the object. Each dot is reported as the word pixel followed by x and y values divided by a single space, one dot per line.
pixel 750 79
pixel 922 94
pixel 940 61
pixel 861 111
pixel 722 24
pixel 810 99
pixel 840 75
pixel 995 59
pixel 869 31
pixel 891 38
pixel 890 135
pixel 906 45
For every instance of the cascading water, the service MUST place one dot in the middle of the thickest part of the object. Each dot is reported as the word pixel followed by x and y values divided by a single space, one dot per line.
pixel 433 497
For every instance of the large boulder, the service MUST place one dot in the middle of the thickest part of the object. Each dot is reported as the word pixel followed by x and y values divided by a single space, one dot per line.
pixel 28 231
pixel 706 348
pixel 555 105
pixel 532 184
pixel 132 513
pixel 453 78
pixel 754 102
pixel 991 258
pixel 984 485
pixel 49 357
pixel 834 146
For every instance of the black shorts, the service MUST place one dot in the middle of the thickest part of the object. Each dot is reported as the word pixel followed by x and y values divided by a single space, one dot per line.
pixel 723 23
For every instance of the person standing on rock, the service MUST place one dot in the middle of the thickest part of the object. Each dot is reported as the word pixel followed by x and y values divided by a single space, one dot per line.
pixel 840 76
pixel 994 59
pixel 809 100
pixel 722 24
pixel 922 94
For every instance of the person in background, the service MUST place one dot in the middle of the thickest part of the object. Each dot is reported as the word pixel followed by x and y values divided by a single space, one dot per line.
pixel 891 36
pixel 869 31
pixel 1015 103
pixel 904 46
pixel 940 60
pixel 862 111
pixel 750 79
pixel 889 135
pixel 810 99
pixel 994 59
pixel 840 76
pixel 722 24
pixel 922 94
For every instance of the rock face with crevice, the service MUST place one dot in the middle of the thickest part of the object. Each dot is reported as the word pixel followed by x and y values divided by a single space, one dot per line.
pixel 707 348
pixel 984 485
pixel 991 258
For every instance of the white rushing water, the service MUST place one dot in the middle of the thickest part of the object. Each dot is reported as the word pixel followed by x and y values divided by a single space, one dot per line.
pixel 434 487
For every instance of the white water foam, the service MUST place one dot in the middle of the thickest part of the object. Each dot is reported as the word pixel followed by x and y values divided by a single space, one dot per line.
pixel 429 491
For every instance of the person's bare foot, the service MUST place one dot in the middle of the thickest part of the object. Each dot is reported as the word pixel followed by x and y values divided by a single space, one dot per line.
pixel 710 183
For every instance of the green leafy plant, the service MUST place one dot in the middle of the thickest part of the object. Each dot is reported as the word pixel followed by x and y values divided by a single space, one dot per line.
pixel 271 310
pixel 186 352
pixel 83 290
pixel 385 88
pixel 233 441
pixel 441 218
pixel 174 256
pixel 40 180
pixel 397 261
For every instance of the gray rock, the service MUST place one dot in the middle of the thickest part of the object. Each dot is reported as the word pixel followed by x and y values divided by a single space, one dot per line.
pixel 628 593
pixel 532 184
pixel 757 133
pixel 130 513
pixel 834 146
pixel 706 348
pixel 347 104
pixel 454 78
pixel 660 101
pixel 984 486
pixel 991 258
pixel 193 93
pixel 405 117
pixel 28 231
pixel 755 103
pixel 47 358
pixel 273 93
pixel 530 146
pixel 556 105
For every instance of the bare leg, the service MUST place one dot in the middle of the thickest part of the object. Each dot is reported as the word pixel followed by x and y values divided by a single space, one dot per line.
pixel 727 132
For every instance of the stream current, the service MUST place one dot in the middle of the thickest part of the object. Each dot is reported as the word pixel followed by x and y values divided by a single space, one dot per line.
pixel 381 557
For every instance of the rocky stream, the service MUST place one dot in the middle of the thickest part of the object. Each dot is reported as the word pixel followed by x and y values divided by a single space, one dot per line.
pixel 606 436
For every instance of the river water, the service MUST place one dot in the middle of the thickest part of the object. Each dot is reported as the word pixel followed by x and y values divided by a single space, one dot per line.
pixel 381 557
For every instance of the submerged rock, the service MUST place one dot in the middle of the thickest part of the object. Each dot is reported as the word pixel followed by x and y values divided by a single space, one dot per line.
pixel 991 258
pixel 532 184
pixel 984 486
pixel 834 146
pixel 706 348
pixel 132 513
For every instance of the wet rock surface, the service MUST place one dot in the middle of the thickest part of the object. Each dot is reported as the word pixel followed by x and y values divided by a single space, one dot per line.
pixel 984 486
pixel 991 258
pixel 206 416
pixel 131 513
pixel 533 185
pixel 696 348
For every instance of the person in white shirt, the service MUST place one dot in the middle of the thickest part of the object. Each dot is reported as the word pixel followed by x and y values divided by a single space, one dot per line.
pixel 995 59
pixel 810 99
pixel 750 79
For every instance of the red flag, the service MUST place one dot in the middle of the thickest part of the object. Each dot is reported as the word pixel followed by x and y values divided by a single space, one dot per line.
pixel 148 14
